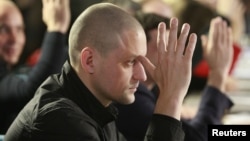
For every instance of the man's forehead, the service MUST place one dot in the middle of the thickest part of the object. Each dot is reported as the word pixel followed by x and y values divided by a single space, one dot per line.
pixel 6 4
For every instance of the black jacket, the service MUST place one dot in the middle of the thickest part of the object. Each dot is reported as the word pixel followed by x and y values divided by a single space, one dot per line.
pixel 18 86
pixel 63 109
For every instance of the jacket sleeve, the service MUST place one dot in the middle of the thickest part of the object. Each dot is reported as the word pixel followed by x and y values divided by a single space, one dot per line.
pixel 211 110
pixel 164 128
pixel 213 106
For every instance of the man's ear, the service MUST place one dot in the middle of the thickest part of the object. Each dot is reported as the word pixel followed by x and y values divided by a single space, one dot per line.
pixel 87 63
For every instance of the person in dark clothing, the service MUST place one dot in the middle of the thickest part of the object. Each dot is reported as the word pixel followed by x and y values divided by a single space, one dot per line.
pixel 18 83
pixel 134 118
pixel 107 48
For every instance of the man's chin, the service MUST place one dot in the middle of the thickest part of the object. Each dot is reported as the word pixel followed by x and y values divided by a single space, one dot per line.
pixel 129 100
pixel 11 61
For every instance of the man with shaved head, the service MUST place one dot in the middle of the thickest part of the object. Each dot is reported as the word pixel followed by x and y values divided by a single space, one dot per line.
pixel 18 82
pixel 107 49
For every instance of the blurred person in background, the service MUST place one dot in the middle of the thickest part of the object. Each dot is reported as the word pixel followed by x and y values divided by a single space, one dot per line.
pixel 18 82
pixel 128 5
pixel 187 11
pixel 158 7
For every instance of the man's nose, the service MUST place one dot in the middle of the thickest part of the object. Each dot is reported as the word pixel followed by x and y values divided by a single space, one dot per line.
pixel 12 37
pixel 139 72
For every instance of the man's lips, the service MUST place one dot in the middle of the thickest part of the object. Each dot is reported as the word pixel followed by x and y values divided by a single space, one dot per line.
pixel 134 88
pixel 10 50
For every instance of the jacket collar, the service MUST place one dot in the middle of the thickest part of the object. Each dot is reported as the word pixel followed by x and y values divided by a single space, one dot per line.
pixel 3 69
pixel 80 94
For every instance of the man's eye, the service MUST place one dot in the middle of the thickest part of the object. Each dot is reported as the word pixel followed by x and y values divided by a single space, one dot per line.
pixel 132 62
pixel 3 29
